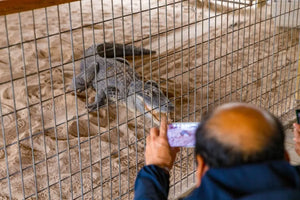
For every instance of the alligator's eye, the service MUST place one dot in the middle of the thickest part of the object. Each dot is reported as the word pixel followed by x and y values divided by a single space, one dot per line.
pixel 147 93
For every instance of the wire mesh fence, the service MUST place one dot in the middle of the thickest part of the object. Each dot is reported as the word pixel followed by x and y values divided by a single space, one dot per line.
pixel 149 58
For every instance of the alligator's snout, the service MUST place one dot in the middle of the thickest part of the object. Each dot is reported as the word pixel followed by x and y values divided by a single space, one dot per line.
pixel 150 101
pixel 156 112
pixel 166 107
pixel 169 107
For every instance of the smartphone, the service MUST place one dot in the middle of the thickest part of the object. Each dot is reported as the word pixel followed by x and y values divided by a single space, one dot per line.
pixel 298 115
pixel 182 134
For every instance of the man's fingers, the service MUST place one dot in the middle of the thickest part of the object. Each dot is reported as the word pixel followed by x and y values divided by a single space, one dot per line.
pixel 175 149
pixel 154 132
pixel 163 127
pixel 148 140
pixel 296 134
pixel 296 127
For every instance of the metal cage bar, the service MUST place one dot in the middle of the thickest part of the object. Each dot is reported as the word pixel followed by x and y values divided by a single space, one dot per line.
pixel 203 53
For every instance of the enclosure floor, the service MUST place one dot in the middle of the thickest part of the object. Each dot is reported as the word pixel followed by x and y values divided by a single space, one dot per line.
pixel 50 146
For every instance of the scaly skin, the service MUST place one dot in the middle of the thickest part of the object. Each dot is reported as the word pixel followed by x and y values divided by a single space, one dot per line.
pixel 115 79
pixel 106 50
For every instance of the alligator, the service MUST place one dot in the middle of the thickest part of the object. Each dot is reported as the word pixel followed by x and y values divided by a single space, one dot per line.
pixel 113 78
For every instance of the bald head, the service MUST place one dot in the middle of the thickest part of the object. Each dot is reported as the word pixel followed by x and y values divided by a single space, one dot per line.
pixel 241 130
pixel 241 126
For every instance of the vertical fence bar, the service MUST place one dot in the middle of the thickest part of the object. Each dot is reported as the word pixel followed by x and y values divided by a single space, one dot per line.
pixel 243 59
pixel 174 88
pixel 296 91
pixel 297 81
pixel 97 89
pixel 248 57
pixel 181 85
pixel 86 93
pixel 143 73
pixel 41 103
pixel 289 66
pixel 254 79
pixel 65 101
pixel 107 104
pixel 286 66
pixel 188 92
pixel 126 102
pixel 259 69
pixel 268 58
pixel 195 77
pixel 53 103
pixel 226 54
pixel 208 58
pixel 15 108
pixel 273 49
pixel 167 55
pixel 232 46
pixel 294 58
pixel 126 95
pixel 5 152
pixel 27 104
pixel 134 81
pixel 221 55
pixel 263 59
pixel 237 88
pixel 76 102
pixel 215 55
pixel 117 98
pixel 280 66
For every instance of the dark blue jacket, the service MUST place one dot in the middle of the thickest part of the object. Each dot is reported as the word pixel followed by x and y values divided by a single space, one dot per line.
pixel 276 180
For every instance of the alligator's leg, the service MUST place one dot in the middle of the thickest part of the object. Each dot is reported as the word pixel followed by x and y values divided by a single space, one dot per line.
pixel 99 101
pixel 85 77
pixel 89 74
pixel 114 94
pixel 77 83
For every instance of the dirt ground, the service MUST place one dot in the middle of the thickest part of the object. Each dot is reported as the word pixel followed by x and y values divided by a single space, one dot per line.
pixel 200 63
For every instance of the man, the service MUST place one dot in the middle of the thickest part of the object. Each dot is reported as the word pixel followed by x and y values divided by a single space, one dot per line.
pixel 240 155
pixel 297 137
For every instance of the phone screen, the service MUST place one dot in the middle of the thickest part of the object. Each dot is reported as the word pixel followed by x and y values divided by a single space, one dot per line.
pixel 182 134
pixel 298 115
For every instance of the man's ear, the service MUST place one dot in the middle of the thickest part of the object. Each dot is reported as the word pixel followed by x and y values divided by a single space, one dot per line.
pixel 202 168
pixel 286 156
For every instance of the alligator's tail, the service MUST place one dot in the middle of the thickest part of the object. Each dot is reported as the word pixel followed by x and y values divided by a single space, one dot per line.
pixel 120 49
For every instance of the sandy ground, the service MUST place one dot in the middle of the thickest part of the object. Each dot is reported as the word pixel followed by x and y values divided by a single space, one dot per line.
pixel 63 151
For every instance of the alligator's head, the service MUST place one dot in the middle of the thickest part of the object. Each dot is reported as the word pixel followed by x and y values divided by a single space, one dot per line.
pixel 150 101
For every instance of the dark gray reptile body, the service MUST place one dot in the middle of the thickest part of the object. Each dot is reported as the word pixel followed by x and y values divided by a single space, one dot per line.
pixel 111 50
pixel 113 78
pixel 111 81
pixel 107 50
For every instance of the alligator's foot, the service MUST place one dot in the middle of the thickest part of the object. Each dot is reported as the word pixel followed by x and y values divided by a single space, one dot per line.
pixel 99 102
pixel 80 90
pixel 71 88
pixel 93 106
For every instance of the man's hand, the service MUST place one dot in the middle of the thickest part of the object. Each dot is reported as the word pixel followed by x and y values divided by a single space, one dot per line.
pixel 158 151
pixel 297 137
